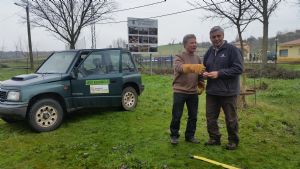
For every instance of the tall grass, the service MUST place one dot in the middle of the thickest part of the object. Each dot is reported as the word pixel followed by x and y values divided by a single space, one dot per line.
pixel 110 138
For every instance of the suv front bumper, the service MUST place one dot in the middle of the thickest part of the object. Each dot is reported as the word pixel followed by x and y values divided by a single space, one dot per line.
pixel 13 109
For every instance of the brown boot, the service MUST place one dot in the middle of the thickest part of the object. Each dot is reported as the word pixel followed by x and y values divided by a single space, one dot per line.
pixel 192 140
pixel 231 146
pixel 213 142
pixel 174 140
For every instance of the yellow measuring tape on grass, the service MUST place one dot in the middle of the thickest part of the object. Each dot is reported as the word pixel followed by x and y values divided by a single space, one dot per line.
pixel 214 162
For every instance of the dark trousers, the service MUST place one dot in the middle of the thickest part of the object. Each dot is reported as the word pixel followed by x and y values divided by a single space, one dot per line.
pixel 191 101
pixel 213 107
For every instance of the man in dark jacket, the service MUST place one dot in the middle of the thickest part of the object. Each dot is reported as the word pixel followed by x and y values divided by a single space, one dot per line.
pixel 187 77
pixel 224 64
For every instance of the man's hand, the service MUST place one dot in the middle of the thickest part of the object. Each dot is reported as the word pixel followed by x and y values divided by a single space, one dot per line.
pixel 212 75
pixel 193 68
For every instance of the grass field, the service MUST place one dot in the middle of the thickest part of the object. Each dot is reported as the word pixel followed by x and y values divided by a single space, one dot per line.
pixel 109 138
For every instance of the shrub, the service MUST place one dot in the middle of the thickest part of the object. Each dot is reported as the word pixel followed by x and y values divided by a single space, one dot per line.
pixel 3 65
pixel 271 71
pixel 252 71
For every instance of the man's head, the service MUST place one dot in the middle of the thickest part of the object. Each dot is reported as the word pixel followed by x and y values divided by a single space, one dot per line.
pixel 217 36
pixel 190 43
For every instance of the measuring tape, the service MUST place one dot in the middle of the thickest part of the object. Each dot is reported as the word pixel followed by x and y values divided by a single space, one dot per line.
pixel 214 162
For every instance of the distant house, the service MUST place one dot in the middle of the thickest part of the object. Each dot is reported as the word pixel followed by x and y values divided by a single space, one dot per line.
pixel 289 51
pixel 246 47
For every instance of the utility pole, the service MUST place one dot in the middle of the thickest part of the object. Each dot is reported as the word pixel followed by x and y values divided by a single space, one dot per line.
pixel 29 38
pixel 93 29
pixel 29 34
pixel 276 44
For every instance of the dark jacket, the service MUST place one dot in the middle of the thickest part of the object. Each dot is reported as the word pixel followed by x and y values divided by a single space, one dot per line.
pixel 228 61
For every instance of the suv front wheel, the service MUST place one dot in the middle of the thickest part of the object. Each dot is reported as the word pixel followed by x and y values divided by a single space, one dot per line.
pixel 129 98
pixel 45 115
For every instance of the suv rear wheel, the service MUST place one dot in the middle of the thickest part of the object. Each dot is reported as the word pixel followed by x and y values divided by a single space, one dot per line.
pixel 129 98
pixel 45 115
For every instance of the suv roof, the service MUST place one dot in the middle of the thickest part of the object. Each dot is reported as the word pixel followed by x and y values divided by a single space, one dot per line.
pixel 77 50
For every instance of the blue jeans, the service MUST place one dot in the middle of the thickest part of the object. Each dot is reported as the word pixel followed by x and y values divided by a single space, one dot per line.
pixel 191 100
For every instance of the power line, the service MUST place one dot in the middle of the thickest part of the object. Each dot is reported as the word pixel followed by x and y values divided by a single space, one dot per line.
pixel 93 30
pixel 136 7
pixel 121 10
pixel 159 16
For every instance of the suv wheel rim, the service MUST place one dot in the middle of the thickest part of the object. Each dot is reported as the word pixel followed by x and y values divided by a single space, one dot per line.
pixel 129 99
pixel 46 116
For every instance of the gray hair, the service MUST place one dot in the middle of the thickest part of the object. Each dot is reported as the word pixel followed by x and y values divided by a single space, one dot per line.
pixel 216 29
pixel 187 37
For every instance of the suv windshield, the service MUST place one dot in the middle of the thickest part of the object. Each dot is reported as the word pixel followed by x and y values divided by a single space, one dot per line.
pixel 59 62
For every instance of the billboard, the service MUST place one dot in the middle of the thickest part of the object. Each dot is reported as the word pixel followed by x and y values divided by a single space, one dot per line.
pixel 142 35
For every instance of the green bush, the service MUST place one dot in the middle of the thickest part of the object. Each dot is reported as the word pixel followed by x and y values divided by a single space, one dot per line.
pixel 3 65
pixel 271 71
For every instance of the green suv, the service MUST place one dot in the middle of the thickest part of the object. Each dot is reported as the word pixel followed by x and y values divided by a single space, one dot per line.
pixel 68 81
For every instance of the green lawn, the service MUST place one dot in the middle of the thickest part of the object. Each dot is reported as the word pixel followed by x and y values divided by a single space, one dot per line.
pixel 109 138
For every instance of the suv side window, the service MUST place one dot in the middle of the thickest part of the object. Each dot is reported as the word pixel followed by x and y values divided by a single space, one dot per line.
pixel 115 61
pixel 94 64
pixel 80 59
pixel 127 63
pixel 101 62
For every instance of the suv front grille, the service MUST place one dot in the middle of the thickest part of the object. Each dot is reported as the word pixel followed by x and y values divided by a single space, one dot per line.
pixel 3 95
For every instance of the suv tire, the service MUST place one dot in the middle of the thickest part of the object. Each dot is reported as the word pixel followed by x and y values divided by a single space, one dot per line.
pixel 45 115
pixel 129 98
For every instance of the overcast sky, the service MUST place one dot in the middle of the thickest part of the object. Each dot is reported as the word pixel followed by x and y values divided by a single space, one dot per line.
pixel 170 28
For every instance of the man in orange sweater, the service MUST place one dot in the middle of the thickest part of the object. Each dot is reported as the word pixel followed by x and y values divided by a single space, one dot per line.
pixel 187 78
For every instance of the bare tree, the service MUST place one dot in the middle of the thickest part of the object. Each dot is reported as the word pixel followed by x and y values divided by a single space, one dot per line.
pixel 2 50
pixel 119 43
pixel 66 18
pixel 265 8
pixel 19 51
pixel 237 12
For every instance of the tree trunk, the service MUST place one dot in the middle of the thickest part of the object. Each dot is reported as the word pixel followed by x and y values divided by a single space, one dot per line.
pixel 265 43
pixel 242 100
pixel 265 33
pixel 72 45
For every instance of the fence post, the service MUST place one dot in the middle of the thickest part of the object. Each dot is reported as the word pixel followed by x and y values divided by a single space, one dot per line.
pixel 150 63
pixel 171 61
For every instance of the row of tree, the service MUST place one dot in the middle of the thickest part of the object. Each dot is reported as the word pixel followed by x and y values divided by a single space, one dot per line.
pixel 256 43
pixel 240 13
pixel 66 18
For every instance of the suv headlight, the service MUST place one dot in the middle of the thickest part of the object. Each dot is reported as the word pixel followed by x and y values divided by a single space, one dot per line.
pixel 13 96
